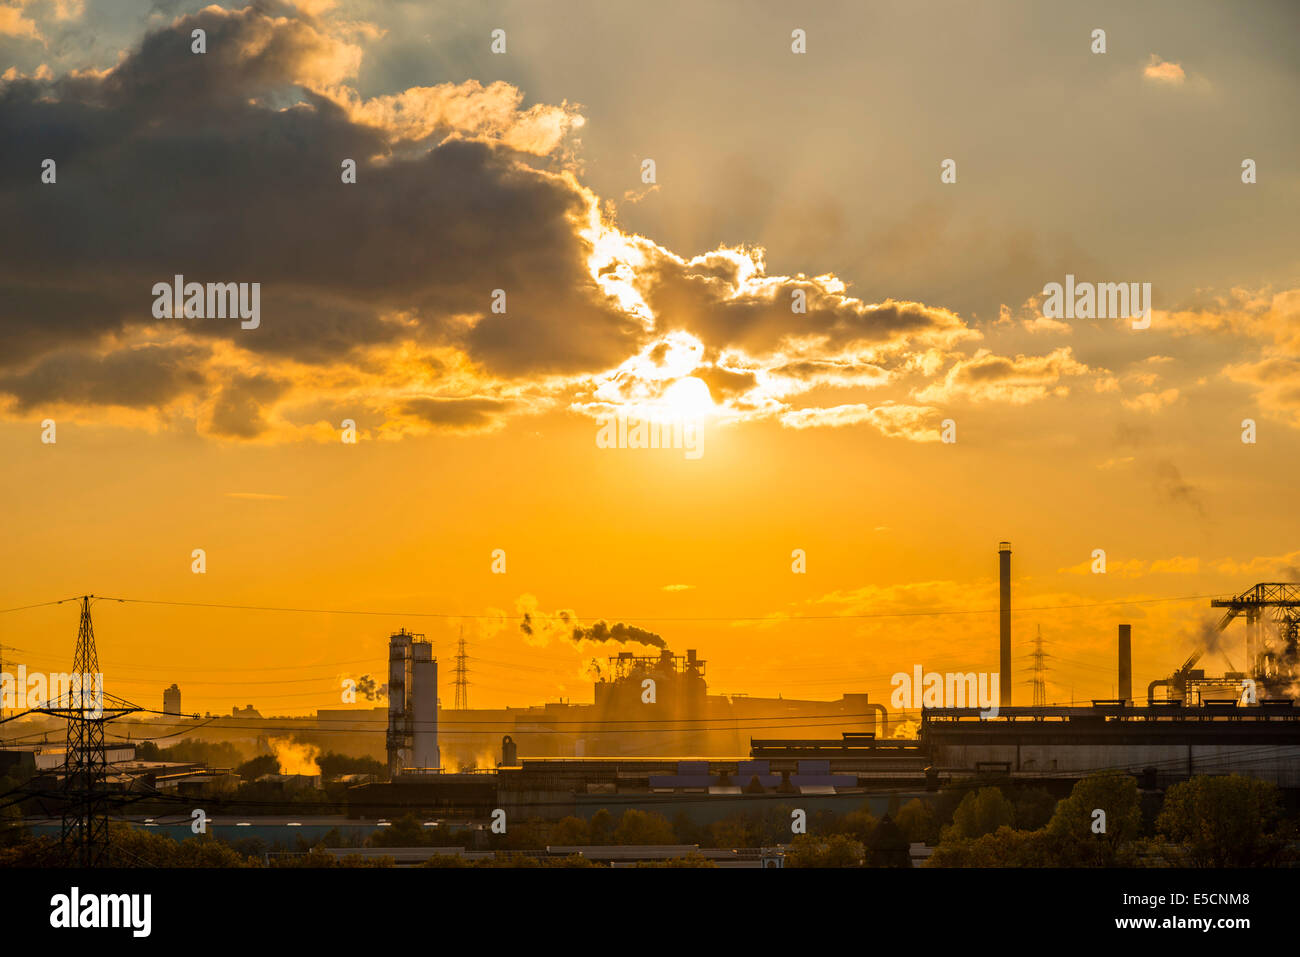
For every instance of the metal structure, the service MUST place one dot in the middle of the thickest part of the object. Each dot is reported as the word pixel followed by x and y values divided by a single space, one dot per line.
pixel 1280 602
pixel 1176 684
pixel 2 671
pixel 627 665
pixel 412 739
pixel 461 680
pixel 1272 614
pixel 1039 681
pixel 399 657
pixel 85 769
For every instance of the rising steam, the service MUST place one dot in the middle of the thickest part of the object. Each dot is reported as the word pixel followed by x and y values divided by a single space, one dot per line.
pixel 293 757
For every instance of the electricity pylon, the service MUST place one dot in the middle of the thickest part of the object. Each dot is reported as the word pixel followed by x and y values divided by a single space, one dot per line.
pixel 86 708
pixel 462 675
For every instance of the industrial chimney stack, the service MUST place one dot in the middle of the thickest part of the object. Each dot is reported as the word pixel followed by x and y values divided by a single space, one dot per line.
pixel 1126 663
pixel 412 704
pixel 1004 623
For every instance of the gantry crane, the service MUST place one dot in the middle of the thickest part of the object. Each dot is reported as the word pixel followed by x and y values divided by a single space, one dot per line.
pixel 1276 659
pixel 1272 655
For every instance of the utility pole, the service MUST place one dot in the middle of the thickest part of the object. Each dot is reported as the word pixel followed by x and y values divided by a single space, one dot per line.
pixel 85 769
pixel 1038 659
pixel 1040 671
pixel 462 674
pixel 13 679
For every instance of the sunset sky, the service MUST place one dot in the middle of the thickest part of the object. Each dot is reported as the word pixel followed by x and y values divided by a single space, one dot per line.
pixel 776 173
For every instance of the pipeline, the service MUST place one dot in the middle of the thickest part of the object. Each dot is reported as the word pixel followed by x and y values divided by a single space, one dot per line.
pixel 1151 689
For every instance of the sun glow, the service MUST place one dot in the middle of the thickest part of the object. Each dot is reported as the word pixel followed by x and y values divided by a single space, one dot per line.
pixel 689 398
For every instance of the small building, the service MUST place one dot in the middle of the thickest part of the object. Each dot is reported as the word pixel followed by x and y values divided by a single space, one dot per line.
pixel 296 782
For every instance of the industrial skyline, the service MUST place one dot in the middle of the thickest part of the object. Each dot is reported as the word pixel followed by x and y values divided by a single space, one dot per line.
pixel 1073 676
pixel 1083 676
pixel 472 481
pixel 1265 643
pixel 565 435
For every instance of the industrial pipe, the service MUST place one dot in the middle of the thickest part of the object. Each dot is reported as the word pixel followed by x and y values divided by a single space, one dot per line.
pixel 1151 689
pixel 884 719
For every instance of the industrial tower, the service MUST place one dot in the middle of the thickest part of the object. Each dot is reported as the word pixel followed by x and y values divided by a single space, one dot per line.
pixel 1272 614
pixel 87 709
pixel 461 674
pixel 1039 681
pixel 1282 600
pixel 1004 624
pixel 412 740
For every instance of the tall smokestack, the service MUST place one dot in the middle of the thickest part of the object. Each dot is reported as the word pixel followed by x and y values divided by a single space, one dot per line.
pixel 1004 623
pixel 1126 663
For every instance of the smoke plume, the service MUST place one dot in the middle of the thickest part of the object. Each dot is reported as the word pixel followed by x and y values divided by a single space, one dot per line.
pixel 528 628
pixel 370 689
pixel 602 631
pixel 539 628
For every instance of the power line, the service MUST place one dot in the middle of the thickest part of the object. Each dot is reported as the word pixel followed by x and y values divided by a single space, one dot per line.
pixel 39 604
pixel 669 618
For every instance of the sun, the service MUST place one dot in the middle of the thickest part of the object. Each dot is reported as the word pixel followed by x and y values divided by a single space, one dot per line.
pixel 689 397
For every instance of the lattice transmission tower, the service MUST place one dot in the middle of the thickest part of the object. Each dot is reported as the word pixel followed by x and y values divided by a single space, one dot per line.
pixel 86 708
pixel 1039 681
pixel 462 674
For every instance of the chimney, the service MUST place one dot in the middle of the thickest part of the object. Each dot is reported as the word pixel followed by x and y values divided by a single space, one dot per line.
pixel 1126 663
pixel 1004 623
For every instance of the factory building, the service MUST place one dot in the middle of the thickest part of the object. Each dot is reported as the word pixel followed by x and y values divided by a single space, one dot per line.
pixel 1235 723
pixel 654 735
pixel 412 738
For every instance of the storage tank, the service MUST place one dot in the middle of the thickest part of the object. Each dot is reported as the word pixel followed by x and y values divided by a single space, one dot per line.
pixel 424 706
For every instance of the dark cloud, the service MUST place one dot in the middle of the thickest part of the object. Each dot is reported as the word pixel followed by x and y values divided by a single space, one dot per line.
pixel 206 166
pixel 141 377
pixel 238 411
pixel 710 298
pixel 459 414
pixel 225 167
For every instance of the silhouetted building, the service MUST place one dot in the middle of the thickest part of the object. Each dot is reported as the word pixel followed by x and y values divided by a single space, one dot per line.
pixel 412 738
pixel 172 700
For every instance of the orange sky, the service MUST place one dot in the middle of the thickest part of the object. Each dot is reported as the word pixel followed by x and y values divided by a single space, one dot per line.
pixel 478 429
